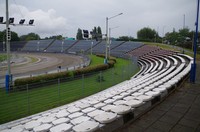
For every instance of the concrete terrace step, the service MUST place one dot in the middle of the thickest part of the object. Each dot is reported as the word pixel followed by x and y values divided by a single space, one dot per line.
pixel 115 106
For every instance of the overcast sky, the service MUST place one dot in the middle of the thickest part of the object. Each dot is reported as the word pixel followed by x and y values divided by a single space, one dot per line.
pixel 53 17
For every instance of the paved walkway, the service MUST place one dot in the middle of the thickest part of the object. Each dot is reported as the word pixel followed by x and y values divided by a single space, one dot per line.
pixel 179 112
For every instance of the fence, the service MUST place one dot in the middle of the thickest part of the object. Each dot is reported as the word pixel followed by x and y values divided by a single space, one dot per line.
pixel 85 58
pixel 17 104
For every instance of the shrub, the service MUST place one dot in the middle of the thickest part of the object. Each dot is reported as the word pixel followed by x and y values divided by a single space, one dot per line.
pixel 41 78
pixel 111 63
pixel 68 74
pixel 91 69
pixel 110 58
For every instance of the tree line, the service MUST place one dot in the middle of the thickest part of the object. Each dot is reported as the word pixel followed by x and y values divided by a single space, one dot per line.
pixel 183 37
pixel 16 37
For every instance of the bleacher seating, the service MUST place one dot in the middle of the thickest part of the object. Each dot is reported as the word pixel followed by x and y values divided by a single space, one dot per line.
pixel 14 46
pixel 37 45
pixel 125 47
pixel 59 46
pixel 119 104
pixel 17 46
pixel 82 46
pixel 1 46
pixel 143 50
pixel 101 47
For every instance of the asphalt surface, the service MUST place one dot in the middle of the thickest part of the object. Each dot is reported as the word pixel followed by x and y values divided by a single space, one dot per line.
pixel 45 63
pixel 179 112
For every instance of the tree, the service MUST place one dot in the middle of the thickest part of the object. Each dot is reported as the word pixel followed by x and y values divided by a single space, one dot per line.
pixel 14 36
pixel 2 36
pixel 172 37
pixel 146 34
pixel 96 33
pixel 125 38
pixel 99 32
pixel 30 36
pixel 79 35
pixel 184 32
pixel 58 37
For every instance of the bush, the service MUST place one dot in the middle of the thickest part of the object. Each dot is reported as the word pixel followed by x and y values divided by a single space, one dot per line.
pixel 41 78
pixel 110 58
pixel 91 69
pixel 68 74
pixel 111 63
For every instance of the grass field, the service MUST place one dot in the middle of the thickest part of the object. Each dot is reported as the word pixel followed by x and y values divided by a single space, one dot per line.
pixel 23 103
pixel 2 57
pixel 95 60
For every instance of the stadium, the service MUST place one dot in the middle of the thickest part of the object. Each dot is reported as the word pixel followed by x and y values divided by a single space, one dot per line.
pixel 161 72
pixel 98 82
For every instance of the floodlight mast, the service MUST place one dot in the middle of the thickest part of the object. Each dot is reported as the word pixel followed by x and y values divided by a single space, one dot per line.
pixel 8 40
pixel 107 37
pixel 193 65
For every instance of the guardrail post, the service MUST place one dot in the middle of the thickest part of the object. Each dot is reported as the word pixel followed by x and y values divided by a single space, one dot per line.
pixel 59 91
pixel 113 76
pixel 83 85
pixel 100 77
pixel 122 73
pixel 28 99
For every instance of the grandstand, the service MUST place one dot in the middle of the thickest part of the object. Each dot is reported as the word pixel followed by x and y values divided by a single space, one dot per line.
pixel 82 46
pixel 17 46
pixel 14 46
pixel 59 46
pixel 161 72
pixel 1 46
pixel 144 50
pixel 101 47
pixel 37 45
pixel 124 48
pixel 117 48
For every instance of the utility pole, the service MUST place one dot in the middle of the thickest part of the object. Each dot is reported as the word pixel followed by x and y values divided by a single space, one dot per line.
pixel 107 36
pixel 193 66
pixel 8 37
pixel 184 21
pixel 10 21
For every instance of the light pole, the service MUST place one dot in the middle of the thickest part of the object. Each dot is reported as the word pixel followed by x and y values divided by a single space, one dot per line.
pixel 183 21
pixel 91 46
pixel 163 34
pixel 110 40
pixel 4 43
pixel 38 46
pixel 8 76
pixel 8 80
pixel 107 38
pixel 193 66
pixel 62 46
pixel 4 46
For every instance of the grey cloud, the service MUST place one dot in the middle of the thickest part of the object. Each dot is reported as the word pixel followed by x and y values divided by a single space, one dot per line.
pixel 66 16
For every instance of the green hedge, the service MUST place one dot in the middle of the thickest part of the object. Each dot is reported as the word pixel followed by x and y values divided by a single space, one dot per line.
pixel 66 74
pixel 90 69
pixel 41 78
